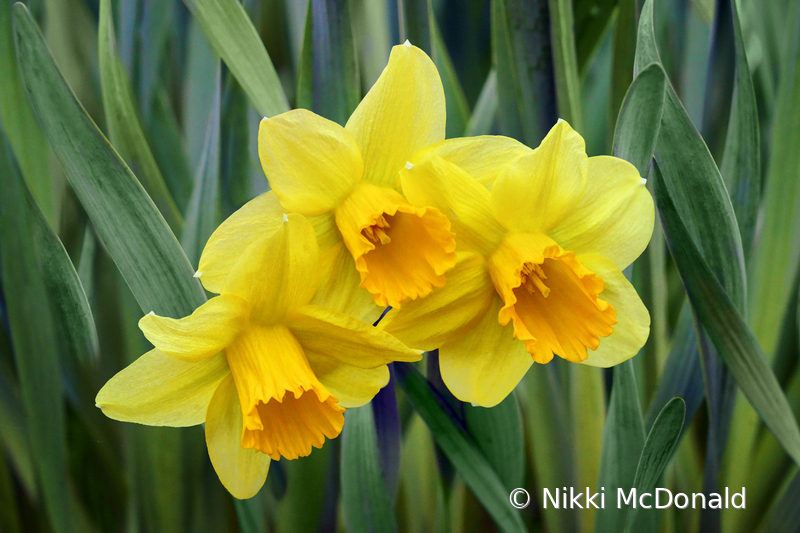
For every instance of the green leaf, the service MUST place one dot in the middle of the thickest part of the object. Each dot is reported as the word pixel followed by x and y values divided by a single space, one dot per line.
pixel 484 116
pixel 365 498
pixel 15 432
pixel 202 215
pixel 456 102
pixel 624 52
pixel 460 449
pixel 124 127
pixel 232 35
pixel 522 57
pixel 658 449
pixel 592 17
pixel 134 233
pixel 693 178
pixel 26 138
pixel 499 434
pixel 328 78
pixel 724 325
pixel 639 120
pixel 623 441
pixel 35 344
pixel 786 514
pixel 565 63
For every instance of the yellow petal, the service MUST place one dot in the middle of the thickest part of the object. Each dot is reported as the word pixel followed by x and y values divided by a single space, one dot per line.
pixel 429 322
pixel 339 287
pixel 403 112
pixel 551 297
pixel 241 471
pixel 286 410
pixel 158 390
pixel 278 272
pixel 353 386
pixel 482 157
pixel 536 191
pixel 204 333
pixel 311 162
pixel 484 365
pixel 327 332
pixel 633 319
pixel 440 184
pixel 615 216
pixel 259 217
pixel 401 251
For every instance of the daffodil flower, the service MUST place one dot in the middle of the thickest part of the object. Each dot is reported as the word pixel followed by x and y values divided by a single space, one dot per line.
pixel 542 238
pixel 348 176
pixel 268 373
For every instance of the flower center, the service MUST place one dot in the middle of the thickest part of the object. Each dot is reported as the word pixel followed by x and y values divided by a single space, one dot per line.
pixel 563 316
pixel 286 410
pixel 400 251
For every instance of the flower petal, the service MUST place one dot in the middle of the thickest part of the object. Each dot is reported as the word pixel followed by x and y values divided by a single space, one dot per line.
pixel 438 183
pixel 403 112
pixel 536 191
pixel 353 386
pixel 327 332
pixel 204 333
pixel 157 390
pixel 261 216
pixel 429 322
pixel 482 157
pixel 340 289
pixel 242 471
pixel 278 272
pixel 311 162
pixel 633 319
pixel 615 216
pixel 485 364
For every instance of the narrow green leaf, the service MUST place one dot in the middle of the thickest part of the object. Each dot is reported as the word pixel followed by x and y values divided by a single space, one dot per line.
pixel 232 35
pixel 693 178
pixel 588 415
pixel 459 447
pixel 623 441
pixel 499 434
pixel 416 22
pixel 484 116
pixel 456 102
pixel 122 118
pixel 136 236
pixel 639 120
pixel 202 215
pixel 719 80
pixel 724 325
pixel 522 56
pixel 658 448
pixel 198 92
pixel 15 432
pixel 328 79
pixel 9 508
pixel 786 514
pixel 624 53
pixel 592 17
pixel 565 63
pixel 35 344
pixel 26 138
pixel 365 499
pixel 158 17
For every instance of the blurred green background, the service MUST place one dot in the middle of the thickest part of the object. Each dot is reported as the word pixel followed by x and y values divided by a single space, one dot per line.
pixel 149 74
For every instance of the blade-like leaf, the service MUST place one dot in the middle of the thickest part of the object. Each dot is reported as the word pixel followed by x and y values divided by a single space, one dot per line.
pixel 365 499
pixel 786 514
pixel 34 344
pixel 565 63
pixel 124 128
pixel 389 433
pixel 591 19
pixel 657 451
pixel 623 440
pixel 724 325
pixel 231 33
pixel 328 78
pixel 136 236
pixel 525 85
pixel 459 447
pixel 484 116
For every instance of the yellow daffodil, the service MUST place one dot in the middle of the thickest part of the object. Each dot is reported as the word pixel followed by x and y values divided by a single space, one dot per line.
pixel 268 372
pixel 542 238
pixel 348 177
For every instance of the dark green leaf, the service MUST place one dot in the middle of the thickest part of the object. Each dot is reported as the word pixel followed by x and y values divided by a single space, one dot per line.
pixel 565 63
pixel 592 17
pixel 459 447
pixel 484 116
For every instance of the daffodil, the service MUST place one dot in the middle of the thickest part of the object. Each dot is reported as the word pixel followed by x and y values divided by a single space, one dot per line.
pixel 348 177
pixel 269 373
pixel 543 236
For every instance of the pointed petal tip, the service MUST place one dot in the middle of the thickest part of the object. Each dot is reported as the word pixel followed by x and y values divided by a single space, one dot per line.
pixel 152 313
pixel 197 274
pixel 407 44
pixel 409 164
pixel 643 181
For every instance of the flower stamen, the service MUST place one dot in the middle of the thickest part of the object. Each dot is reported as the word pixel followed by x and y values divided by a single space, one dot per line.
pixel 377 231
pixel 532 277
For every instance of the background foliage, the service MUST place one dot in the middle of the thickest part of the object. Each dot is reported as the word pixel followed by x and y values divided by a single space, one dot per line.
pixel 129 132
